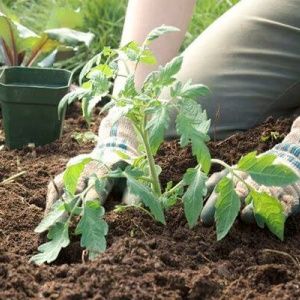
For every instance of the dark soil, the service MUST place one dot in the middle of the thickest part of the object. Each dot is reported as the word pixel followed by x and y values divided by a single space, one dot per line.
pixel 144 260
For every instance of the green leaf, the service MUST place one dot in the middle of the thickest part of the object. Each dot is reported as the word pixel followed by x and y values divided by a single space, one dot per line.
pixel 194 91
pixel 55 214
pixel 227 207
pixel 189 91
pixel 159 31
pixel 263 171
pixel 132 50
pixel 79 93
pixel 106 70
pixel 157 125
pixel 201 151
pixel 139 54
pixel 65 17
pixel 92 228
pixel 250 161
pixel 88 66
pixel 192 125
pixel 147 197
pixel 193 197
pixel 191 122
pixel 129 89
pixel 59 236
pixel 72 174
pixel 70 37
pixel 165 75
pixel 270 211
pixel 15 38
pixel 148 57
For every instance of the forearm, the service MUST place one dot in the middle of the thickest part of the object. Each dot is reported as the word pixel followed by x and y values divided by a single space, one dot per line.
pixel 144 15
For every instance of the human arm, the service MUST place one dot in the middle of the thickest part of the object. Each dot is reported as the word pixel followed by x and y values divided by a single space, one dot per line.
pixel 144 15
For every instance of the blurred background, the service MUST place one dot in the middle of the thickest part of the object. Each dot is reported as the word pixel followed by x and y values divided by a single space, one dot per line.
pixel 104 18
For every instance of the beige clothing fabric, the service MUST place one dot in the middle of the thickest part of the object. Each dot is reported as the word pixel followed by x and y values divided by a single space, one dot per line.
pixel 250 60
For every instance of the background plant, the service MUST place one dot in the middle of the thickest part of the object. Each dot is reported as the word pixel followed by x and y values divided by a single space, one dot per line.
pixel 20 45
pixel 149 113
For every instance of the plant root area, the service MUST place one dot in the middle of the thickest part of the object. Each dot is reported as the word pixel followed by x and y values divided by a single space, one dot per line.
pixel 144 260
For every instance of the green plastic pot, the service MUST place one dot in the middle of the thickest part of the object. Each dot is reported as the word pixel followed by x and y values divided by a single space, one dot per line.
pixel 29 100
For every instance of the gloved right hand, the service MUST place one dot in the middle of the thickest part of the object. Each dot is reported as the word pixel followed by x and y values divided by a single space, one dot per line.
pixel 113 136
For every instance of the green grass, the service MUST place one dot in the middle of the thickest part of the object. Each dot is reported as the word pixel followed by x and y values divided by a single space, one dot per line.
pixel 105 19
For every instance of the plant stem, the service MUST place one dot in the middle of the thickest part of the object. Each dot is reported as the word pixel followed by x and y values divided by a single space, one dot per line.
pixel 174 188
pixel 155 180
pixel 231 171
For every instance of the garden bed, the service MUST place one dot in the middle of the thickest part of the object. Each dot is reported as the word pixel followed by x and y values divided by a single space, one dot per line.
pixel 144 260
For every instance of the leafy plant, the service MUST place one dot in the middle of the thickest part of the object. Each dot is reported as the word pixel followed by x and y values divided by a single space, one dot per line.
pixel 150 113
pixel 85 137
pixel 21 46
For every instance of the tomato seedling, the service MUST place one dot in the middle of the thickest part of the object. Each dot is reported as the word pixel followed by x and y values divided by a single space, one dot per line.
pixel 149 113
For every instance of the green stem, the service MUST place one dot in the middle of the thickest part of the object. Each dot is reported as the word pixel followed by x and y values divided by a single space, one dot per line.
pixel 174 188
pixel 80 199
pixel 231 171
pixel 155 180
pixel 222 163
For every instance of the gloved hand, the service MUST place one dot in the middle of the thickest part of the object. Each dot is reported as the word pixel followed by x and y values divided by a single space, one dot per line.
pixel 113 136
pixel 288 153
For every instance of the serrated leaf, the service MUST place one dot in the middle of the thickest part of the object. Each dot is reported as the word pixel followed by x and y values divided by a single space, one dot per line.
pixel 191 122
pixel 227 207
pixel 157 125
pixel 193 91
pixel 189 90
pixel 55 214
pixel 159 31
pixel 104 69
pixel 72 174
pixel 192 125
pixel 165 75
pixel 129 89
pixel 263 171
pixel 59 236
pixel 193 197
pixel 92 228
pixel 270 211
pixel 147 197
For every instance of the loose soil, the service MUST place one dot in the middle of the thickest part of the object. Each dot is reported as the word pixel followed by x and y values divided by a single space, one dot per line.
pixel 144 260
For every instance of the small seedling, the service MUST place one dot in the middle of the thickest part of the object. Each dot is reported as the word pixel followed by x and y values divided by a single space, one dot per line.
pixel 273 136
pixel 150 113
pixel 85 137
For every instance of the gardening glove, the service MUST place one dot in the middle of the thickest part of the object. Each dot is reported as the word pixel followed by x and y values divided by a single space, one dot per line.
pixel 112 136
pixel 288 153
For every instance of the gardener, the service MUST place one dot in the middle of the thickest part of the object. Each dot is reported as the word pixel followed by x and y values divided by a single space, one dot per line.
pixel 249 58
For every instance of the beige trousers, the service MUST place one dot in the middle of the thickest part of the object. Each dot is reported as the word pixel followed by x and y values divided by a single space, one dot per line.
pixel 250 60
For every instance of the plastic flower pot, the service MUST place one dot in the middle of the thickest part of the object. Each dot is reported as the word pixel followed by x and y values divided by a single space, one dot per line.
pixel 29 100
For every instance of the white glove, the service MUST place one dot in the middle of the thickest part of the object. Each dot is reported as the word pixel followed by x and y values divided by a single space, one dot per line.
pixel 288 153
pixel 112 136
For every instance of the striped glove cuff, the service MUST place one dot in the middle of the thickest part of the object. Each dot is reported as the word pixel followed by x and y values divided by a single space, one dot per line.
pixel 115 136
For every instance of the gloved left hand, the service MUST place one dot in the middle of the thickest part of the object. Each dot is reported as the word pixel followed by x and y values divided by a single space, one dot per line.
pixel 288 153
